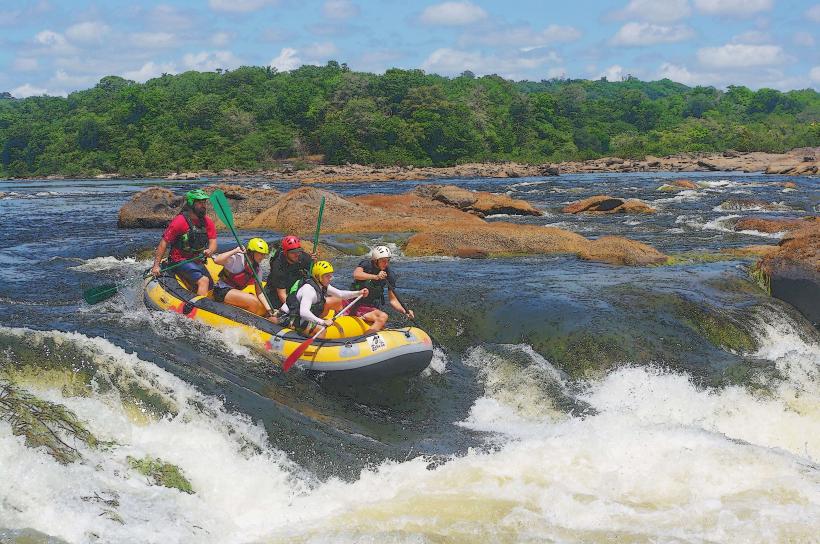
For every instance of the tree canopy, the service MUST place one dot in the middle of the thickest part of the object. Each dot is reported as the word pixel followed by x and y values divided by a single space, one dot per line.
pixel 252 117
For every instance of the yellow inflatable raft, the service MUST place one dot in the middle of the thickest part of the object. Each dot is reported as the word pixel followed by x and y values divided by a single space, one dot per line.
pixel 346 352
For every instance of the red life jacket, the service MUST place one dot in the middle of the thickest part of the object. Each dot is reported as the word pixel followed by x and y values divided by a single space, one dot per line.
pixel 239 280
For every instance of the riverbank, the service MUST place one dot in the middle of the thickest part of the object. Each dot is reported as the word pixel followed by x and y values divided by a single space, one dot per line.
pixel 797 162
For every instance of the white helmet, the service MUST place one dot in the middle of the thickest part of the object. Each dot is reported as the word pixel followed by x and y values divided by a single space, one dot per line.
pixel 380 252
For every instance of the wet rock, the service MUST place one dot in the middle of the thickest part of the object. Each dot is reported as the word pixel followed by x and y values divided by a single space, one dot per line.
pixel 161 473
pixel 761 250
pixel 608 204
pixel 505 239
pixel 793 271
pixel 494 239
pixel 480 202
pixel 752 204
pixel 711 166
pixel 155 207
pixel 618 250
pixel 548 170
pixel 772 225
pixel 684 184
pixel 788 185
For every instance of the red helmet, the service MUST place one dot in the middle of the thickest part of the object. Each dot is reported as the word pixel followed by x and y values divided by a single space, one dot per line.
pixel 290 242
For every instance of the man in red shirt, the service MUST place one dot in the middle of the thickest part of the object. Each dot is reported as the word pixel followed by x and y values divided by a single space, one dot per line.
pixel 189 234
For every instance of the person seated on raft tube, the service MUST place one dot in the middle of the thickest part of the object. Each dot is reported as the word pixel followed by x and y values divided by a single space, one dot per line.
pixel 236 275
pixel 287 266
pixel 311 303
pixel 189 233
pixel 375 274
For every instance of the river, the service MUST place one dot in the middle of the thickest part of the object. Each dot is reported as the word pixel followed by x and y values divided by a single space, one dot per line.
pixel 569 401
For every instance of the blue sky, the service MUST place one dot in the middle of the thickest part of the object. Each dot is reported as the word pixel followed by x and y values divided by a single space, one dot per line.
pixel 55 47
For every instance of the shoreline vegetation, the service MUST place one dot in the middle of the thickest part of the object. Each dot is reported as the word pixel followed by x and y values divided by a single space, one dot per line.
pixel 402 122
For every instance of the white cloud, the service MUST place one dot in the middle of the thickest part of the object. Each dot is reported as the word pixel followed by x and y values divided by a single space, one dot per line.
pixel 814 74
pixel 153 40
pixel 804 39
pixel 26 90
pixel 453 14
pixel 209 61
pixel 377 60
pixel 287 59
pixel 221 39
pixel 741 56
pixel 740 8
pixel 681 74
pixel 320 51
pixel 88 32
pixel 559 72
pixel 448 61
pixel 340 10
pixel 638 34
pixel 813 13
pixel 72 81
pixel 53 43
pixel 613 73
pixel 169 18
pixel 25 64
pixel 524 36
pixel 150 70
pixel 654 11
pixel 239 6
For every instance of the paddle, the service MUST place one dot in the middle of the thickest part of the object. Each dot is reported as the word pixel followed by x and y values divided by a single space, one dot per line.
pixel 223 211
pixel 318 227
pixel 104 292
pixel 304 345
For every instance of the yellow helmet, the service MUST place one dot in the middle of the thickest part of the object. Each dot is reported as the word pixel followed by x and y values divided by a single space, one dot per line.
pixel 321 268
pixel 258 245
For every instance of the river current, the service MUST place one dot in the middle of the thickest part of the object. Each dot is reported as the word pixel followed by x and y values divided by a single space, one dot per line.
pixel 569 401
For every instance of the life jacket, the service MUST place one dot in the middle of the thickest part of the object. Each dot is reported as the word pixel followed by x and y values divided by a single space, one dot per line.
pixel 240 280
pixel 375 288
pixel 195 240
pixel 294 318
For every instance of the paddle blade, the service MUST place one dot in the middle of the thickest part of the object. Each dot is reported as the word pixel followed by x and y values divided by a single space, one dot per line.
pixel 297 353
pixel 222 208
pixel 98 294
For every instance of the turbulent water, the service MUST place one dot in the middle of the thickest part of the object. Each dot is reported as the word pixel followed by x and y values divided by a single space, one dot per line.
pixel 569 401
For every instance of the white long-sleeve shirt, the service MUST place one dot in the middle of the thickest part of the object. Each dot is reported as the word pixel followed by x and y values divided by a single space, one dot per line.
pixel 306 295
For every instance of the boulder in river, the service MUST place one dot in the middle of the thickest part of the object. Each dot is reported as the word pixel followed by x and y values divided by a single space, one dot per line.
pixel 155 207
pixel 608 204
pixel 773 225
pixel 619 250
pixel 479 202
pixel 752 204
pixel 794 270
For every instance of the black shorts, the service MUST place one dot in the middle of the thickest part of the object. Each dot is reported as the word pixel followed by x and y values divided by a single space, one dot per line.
pixel 220 292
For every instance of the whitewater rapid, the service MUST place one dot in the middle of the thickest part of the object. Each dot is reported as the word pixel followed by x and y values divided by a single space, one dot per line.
pixel 638 454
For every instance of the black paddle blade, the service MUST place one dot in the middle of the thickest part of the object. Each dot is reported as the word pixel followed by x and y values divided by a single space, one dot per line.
pixel 98 294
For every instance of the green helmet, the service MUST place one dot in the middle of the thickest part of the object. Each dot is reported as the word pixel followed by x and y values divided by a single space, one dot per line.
pixel 196 194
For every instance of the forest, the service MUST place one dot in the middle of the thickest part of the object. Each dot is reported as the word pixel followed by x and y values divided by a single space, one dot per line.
pixel 254 118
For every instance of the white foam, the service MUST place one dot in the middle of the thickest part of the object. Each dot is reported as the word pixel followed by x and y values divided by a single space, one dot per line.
pixel 99 264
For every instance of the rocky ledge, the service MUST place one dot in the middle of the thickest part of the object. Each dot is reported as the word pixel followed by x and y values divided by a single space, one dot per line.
pixel 793 271
pixel 438 219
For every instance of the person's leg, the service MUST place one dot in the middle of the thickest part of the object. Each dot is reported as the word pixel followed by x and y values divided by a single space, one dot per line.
pixel 197 277
pixel 244 300
pixel 333 303
pixel 377 320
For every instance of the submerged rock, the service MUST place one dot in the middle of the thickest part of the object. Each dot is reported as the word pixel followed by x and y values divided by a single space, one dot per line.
pixel 608 204
pixel 679 185
pixel 752 204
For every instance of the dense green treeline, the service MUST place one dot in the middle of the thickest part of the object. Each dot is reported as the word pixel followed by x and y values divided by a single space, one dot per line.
pixel 251 117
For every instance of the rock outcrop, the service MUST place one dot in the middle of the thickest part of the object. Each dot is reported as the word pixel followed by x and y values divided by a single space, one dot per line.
pixel 441 229
pixel 608 204
pixel 794 270
pixel 478 202
pixel 773 225
pixel 155 207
